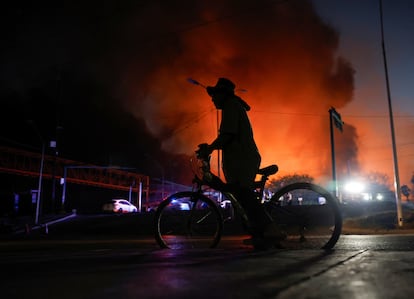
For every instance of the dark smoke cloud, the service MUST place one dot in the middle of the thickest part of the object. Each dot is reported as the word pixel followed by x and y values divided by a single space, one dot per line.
pixel 281 51
pixel 134 57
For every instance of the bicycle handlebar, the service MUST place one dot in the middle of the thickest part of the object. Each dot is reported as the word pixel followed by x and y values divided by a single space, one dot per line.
pixel 208 178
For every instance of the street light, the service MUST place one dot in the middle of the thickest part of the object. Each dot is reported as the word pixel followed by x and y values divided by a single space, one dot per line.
pixel 394 147
pixel 334 119
pixel 39 188
pixel 42 160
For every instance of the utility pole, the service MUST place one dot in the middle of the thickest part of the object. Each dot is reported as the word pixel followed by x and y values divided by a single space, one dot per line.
pixel 397 187
pixel 334 119
pixel 39 203
pixel 39 188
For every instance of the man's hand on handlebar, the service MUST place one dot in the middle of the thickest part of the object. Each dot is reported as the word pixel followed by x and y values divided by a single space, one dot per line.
pixel 203 151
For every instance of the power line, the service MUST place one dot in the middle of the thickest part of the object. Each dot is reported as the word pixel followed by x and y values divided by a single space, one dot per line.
pixel 377 116
pixel 288 113
pixel 323 115
pixel 189 123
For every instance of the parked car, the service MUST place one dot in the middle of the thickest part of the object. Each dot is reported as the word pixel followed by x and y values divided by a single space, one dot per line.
pixel 119 206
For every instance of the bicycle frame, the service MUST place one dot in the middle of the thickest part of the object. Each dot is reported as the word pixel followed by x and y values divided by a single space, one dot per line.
pixel 201 221
pixel 259 188
pixel 214 182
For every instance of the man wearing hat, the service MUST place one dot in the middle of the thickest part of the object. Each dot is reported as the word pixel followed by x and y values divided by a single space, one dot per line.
pixel 241 158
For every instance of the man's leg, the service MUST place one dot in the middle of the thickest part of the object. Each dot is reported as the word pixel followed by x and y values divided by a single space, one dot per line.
pixel 265 233
pixel 259 220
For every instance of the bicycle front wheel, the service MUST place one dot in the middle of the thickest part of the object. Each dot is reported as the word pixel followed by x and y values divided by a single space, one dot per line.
pixel 308 215
pixel 188 220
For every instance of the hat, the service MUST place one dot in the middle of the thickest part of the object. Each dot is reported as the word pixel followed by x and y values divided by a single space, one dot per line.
pixel 222 85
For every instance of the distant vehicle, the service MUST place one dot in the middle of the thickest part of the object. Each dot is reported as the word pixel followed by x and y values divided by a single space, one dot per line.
pixel 119 206
pixel 179 205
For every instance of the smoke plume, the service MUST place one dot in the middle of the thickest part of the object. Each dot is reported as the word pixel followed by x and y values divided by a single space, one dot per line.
pixel 91 60
pixel 281 52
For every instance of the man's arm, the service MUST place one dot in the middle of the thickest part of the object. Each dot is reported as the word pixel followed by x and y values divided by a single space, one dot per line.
pixel 221 140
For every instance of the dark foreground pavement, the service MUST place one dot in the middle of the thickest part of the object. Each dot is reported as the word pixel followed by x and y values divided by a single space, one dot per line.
pixel 87 258
pixel 136 268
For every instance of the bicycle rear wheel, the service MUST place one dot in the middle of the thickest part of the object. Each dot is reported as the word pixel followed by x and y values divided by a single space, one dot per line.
pixel 308 214
pixel 188 220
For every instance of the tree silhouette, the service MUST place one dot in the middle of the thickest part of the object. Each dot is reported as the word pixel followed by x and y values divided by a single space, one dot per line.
pixel 276 184
pixel 406 191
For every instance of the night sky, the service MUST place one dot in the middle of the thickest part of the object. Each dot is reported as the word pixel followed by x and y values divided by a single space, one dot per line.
pixel 61 64
pixel 108 79
pixel 359 25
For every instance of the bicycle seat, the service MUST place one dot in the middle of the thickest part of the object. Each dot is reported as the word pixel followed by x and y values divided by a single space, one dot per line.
pixel 268 170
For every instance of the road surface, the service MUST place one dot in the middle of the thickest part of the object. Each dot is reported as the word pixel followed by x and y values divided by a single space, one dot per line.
pixel 360 267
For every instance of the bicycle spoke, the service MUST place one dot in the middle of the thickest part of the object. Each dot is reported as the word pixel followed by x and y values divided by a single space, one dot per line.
pixel 308 215
pixel 185 221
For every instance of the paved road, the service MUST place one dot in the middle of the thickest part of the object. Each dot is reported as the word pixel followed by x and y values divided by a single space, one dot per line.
pixel 359 267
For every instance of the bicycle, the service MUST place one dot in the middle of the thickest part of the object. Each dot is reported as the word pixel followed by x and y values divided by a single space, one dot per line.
pixel 307 214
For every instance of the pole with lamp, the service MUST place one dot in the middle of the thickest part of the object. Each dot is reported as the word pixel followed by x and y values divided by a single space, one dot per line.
pixel 397 186
pixel 42 160
pixel 195 82
pixel 39 188
pixel 334 119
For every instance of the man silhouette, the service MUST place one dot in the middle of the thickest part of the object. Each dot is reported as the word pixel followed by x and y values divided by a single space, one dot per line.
pixel 241 158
